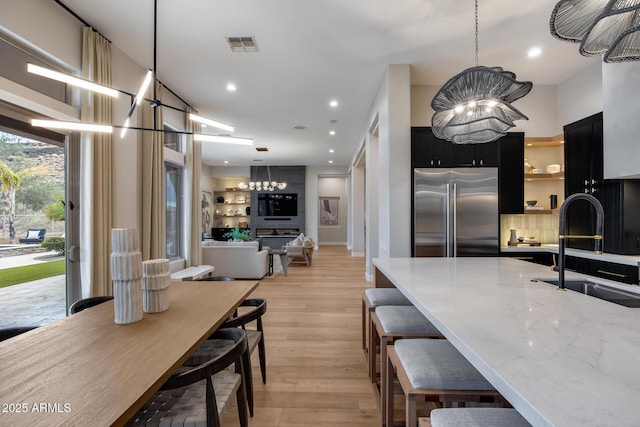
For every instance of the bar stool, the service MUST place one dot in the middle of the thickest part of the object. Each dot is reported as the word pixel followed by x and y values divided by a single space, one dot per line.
pixel 477 417
pixel 432 370
pixel 371 299
pixel 390 323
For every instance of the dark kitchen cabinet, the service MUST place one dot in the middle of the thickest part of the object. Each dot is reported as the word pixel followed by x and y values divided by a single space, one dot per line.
pixel 511 173
pixel 486 154
pixel 428 151
pixel 584 174
pixel 604 269
pixel 542 258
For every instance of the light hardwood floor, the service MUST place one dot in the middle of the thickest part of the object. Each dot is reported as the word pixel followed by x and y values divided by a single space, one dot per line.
pixel 316 371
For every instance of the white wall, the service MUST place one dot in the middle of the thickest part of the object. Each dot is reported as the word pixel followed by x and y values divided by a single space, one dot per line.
pixel 357 208
pixel 47 28
pixel 580 95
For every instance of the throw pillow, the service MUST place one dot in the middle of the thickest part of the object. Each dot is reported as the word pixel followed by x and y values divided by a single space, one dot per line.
pixel 33 234
pixel 299 240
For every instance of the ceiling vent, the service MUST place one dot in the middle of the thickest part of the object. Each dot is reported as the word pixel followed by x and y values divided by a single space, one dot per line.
pixel 262 149
pixel 242 44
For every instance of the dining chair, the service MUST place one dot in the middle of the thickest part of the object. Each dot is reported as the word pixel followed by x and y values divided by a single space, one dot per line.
pixel 255 338
pixel 85 303
pixel 200 394
pixel 6 333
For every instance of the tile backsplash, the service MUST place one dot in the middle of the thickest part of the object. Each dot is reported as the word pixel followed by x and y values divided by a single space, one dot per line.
pixel 544 227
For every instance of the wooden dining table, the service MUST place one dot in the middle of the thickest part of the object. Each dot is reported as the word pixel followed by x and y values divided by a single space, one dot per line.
pixel 86 370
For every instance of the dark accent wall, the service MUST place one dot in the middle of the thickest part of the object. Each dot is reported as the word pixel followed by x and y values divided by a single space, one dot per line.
pixel 294 176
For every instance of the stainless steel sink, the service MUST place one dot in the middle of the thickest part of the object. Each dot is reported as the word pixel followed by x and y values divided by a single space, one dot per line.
pixel 599 290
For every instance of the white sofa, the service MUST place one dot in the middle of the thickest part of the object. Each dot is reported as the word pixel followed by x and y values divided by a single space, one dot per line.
pixel 240 260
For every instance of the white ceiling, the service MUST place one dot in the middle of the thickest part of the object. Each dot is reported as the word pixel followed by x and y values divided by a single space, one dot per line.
pixel 312 51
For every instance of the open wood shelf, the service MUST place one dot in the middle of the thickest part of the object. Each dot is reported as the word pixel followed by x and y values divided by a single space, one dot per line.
pixel 543 176
pixel 537 211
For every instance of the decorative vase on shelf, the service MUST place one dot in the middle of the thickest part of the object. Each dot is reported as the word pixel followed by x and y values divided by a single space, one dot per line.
pixel 155 282
pixel 512 236
pixel 126 273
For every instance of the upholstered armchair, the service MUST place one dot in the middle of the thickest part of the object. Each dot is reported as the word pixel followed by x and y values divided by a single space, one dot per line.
pixel 300 249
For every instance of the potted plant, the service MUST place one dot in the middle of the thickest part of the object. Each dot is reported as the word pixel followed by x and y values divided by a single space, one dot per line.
pixel 238 235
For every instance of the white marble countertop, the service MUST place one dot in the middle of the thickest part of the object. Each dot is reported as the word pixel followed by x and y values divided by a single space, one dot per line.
pixel 620 259
pixel 560 358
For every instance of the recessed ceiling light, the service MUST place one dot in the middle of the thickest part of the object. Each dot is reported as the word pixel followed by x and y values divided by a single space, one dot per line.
pixel 231 87
pixel 330 161
pixel 529 145
pixel 333 103
pixel 226 161
pixel 534 51
pixel 331 150
pixel 332 132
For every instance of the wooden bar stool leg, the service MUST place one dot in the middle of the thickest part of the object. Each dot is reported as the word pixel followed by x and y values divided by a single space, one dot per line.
pixel 374 339
pixel 390 378
pixel 411 410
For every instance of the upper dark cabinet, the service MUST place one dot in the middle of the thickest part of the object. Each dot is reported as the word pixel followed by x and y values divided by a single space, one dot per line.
pixel 511 173
pixel 583 155
pixel 431 152
pixel 583 151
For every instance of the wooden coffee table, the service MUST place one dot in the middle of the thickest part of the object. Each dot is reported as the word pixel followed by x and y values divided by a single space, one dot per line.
pixel 284 260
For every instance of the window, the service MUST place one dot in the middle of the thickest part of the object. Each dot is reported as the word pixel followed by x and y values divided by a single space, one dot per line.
pixel 173 216
pixel 172 140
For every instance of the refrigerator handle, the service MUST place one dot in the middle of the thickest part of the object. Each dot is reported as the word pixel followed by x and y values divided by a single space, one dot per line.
pixel 448 220
pixel 455 220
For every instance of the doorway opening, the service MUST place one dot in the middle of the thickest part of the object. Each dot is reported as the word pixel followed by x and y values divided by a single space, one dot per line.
pixel 33 280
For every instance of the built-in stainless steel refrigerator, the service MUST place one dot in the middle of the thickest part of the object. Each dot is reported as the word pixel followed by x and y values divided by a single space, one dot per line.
pixel 456 212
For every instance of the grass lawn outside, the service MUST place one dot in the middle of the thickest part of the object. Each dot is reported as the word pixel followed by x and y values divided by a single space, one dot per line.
pixel 28 273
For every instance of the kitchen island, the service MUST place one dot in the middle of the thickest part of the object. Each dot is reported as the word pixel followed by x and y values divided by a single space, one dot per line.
pixel 559 357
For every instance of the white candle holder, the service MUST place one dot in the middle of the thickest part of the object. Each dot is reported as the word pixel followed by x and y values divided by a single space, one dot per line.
pixel 155 282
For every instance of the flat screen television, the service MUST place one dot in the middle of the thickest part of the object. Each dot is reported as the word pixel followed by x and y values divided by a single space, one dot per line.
pixel 277 204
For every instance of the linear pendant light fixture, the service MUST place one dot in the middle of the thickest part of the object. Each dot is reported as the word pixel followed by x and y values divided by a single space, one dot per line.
pixel 74 81
pixel 78 126
pixel 223 139
pixel 211 122
pixel 135 101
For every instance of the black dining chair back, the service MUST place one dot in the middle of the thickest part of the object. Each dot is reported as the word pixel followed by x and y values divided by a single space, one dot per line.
pixel 184 395
pixel 6 333
pixel 85 303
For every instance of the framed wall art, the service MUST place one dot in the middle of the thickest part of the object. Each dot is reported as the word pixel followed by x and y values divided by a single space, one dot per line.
pixel 329 211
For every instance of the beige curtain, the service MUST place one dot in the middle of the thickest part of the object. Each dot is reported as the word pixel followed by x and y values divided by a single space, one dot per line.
pixel 194 167
pixel 153 181
pixel 96 186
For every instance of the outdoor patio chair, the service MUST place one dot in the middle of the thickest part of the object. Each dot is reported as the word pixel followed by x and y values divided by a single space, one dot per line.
pixel 34 235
